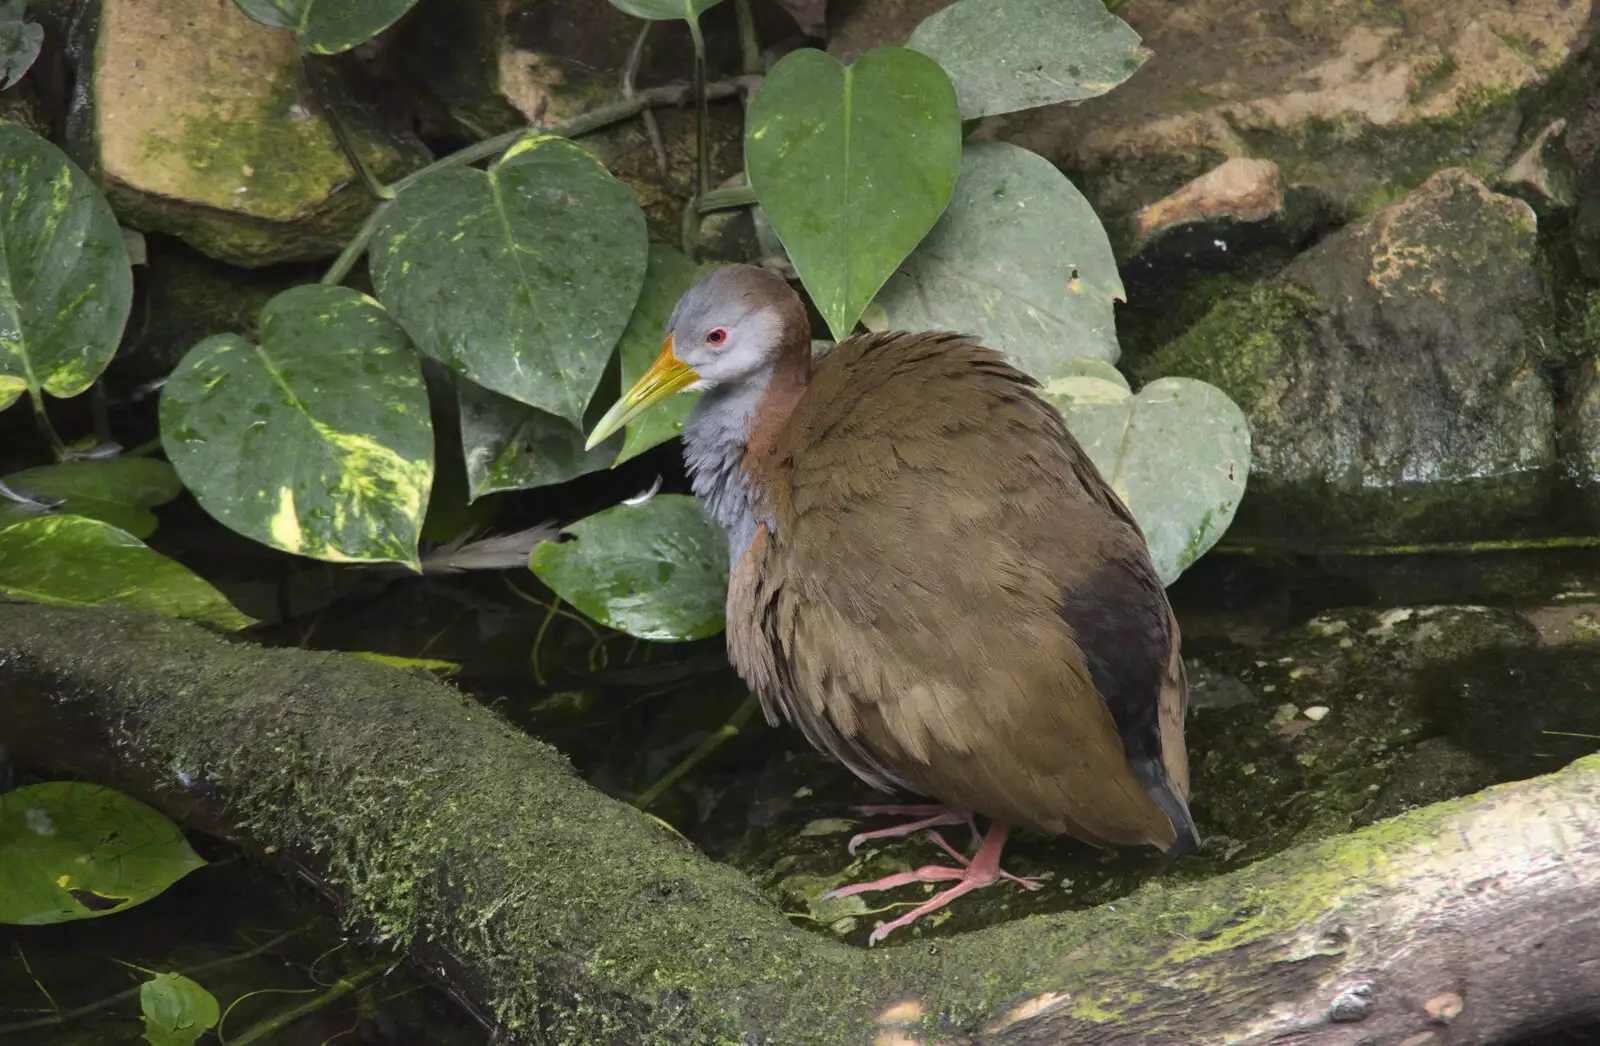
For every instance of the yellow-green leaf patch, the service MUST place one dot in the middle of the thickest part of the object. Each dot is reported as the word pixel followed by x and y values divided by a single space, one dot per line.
pixel 76 561
pixel 65 282
pixel 71 850
pixel 318 440
pixel 521 277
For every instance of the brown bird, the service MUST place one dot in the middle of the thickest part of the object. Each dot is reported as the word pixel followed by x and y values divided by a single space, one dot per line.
pixel 929 577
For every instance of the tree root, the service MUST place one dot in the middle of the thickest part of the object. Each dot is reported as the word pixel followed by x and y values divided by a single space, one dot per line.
pixel 574 918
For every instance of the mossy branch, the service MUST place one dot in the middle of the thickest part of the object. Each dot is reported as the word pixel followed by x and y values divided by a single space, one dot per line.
pixel 576 919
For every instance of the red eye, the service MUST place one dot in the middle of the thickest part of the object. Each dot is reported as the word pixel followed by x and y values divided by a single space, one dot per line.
pixel 716 336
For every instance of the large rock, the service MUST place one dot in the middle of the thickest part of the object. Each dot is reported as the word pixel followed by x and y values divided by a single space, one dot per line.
pixel 203 127
pixel 1359 100
pixel 1391 373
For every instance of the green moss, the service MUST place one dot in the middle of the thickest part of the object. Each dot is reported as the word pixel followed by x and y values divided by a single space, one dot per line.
pixel 1432 76
pixel 1241 343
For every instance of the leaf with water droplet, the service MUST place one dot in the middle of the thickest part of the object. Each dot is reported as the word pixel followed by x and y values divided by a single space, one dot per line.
pixel 177 1011
pixel 657 570
pixel 1020 260
pixel 512 446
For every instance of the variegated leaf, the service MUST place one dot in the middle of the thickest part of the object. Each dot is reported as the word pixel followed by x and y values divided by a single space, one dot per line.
pixel 318 440
pixel 65 282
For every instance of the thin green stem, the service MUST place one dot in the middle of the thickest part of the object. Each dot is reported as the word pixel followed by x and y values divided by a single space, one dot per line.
pixel 727 199
pixel 341 133
pixel 720 736
pixel 63 1016
pixel 584 123
pixel 41 418
pixel 703 106
pixel 538 640
pixel 340 988
pixel 749 46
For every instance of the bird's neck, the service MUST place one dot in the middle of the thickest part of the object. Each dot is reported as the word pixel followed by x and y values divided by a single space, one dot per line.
pixel 734 430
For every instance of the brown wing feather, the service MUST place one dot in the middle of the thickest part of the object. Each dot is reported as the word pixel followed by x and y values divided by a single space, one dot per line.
pixel 907 614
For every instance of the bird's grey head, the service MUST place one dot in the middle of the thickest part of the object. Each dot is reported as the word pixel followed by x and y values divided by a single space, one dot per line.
pixel 732 323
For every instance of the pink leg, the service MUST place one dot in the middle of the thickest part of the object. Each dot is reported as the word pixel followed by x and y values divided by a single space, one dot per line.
pixel 982 870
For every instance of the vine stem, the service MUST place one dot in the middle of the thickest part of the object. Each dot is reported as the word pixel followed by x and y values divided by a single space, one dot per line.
pixel 703 106
pixel 341 133
pixel 724 733
pixel 42 418
pixel 749 46
pixel 339 989
pixel 584 123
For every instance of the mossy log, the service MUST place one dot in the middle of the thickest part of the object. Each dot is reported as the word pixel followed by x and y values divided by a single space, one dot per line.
pixel 574 918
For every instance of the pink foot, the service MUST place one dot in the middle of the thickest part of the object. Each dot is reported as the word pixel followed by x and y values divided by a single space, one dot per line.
pixel 983 870
pixel 931 816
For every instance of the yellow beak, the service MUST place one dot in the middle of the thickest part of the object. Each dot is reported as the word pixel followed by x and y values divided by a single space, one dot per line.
pixel 666 376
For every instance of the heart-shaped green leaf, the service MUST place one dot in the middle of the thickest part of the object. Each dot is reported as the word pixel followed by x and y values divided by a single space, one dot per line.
pixel 328 26
pixel 657 570
pixel 522 277
pixel 71 850
pixel 512 446
pixel 1177 454
pixel 177 1011
pixel 661 10
pixel 318 440
pixel 78 562
pixel 65 282
pixel 670 274
pixel 1005 55
pixel 1019 259
pixel 853 167
pixel 119 491
pixel 19 42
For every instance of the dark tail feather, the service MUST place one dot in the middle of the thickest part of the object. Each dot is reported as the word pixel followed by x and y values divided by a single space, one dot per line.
pixel 1153 775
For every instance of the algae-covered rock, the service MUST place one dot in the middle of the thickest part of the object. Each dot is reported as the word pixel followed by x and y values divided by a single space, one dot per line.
pixel 1357 99
pixel 202 126
pixel 1580 428
pixel 1391 373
